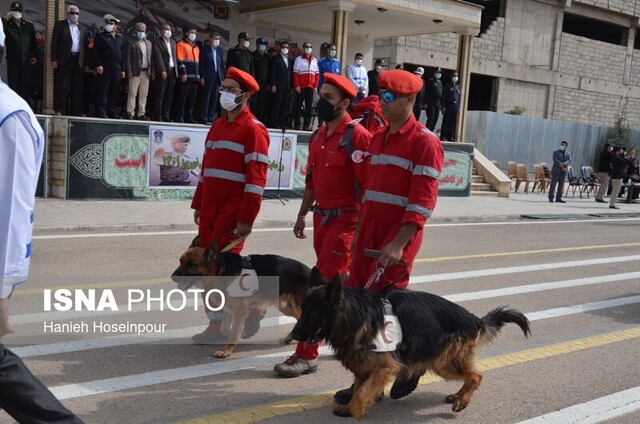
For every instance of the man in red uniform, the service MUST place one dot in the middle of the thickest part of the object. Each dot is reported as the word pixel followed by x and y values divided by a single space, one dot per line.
pixel 336 172
pixel 401 192
pixel 234 173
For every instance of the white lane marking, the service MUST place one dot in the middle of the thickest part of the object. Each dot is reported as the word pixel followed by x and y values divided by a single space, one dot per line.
pixel 585 307
pixel 532 288
pixel 517 269
pixel 269 230
pixel 219 367
pixel 594 411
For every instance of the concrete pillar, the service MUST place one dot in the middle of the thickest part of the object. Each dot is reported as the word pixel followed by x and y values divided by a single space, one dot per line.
pixel 629 58
pixel 464 72
pixel 341 10
pixel 55 10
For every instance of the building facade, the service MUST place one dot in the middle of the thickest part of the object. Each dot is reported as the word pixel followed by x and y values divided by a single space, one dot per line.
pixel 571 60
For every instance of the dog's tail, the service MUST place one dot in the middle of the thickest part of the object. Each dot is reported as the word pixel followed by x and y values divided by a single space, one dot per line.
pixel 493 322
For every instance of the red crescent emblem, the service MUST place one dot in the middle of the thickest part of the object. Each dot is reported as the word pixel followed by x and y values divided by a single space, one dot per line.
pixel 384 332
pixel 240 282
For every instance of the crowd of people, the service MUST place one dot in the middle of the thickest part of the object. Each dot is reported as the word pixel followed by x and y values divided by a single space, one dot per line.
pixel 617 171
pixel 151 75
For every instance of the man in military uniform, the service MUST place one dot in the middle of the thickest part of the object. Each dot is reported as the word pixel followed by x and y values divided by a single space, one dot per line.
pixel 261 73
pixel 240 56
pixel 433 98
pixel 22 49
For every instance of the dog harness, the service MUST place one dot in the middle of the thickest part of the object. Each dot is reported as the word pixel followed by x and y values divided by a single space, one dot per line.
pixel 390 334
pixel 246 284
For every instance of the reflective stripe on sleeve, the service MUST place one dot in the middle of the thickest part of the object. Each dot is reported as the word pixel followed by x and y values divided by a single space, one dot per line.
pixel 391 199
pixel 392 160
pixel 258 157
pixel 252 188
pixel 426 212
pixel 225 144
pixel 426 170
pixel 225 175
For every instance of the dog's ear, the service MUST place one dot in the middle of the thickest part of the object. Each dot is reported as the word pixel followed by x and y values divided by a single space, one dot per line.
pixel 333 289
pixel 315 278
pixel 211 254
pixel 196 241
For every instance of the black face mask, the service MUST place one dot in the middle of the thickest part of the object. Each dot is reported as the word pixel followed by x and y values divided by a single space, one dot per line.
pixel 326 110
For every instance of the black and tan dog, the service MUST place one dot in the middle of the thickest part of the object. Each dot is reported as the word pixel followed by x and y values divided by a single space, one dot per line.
pixel 292 275
pixel 438 335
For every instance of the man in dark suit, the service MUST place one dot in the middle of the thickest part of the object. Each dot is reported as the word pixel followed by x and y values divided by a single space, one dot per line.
pixel 211 74
pixel 165 82
pixel 108 57
pixel 22 50
pixel 561 162
pixel 281 80
pixel 67 60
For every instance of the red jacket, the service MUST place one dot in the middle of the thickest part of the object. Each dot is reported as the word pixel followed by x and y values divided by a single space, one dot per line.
pixel 306 73
pixel 402 184
pixel 234 168
pixel 330 170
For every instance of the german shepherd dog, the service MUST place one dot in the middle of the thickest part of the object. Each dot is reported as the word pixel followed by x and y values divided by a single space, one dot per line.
pixel 438 335
pixel 210 262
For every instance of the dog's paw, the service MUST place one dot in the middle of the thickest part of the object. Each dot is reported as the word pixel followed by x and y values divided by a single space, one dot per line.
pixel 342 410
pixel 458 405
pixel 286 340
pixel 222 354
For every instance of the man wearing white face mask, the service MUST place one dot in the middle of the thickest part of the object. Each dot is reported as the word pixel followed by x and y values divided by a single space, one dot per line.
pixel 357 73
pixel 22 50
pixel 261 73
pixel 140 67
pixel 561 162
pixel 211 74
pixel 188 58
pixel 233 177
pixel 165 52
pixel 67 60
pixel 450 108
pixel 109 58
pixel 306 76
pixel 240 56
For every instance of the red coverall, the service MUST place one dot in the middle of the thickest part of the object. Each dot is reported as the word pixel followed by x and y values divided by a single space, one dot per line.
pixel 402 188
pixel 331 173
pixel 233 176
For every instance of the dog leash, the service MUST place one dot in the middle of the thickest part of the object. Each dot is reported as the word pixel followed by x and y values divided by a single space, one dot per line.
pixel 374 279
pixel 235 242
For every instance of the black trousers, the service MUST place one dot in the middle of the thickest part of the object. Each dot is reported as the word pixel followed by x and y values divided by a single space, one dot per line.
pixel 68 81
pixel 163 96
pixel 433 113
pixel 448 125
pixel 108 90
pixel 279 108
pixel 259 103
pixel 185 101
pixel 25 398
pixel 19 79
pixel 306 97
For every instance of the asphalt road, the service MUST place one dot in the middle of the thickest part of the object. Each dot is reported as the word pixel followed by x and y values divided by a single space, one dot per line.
pixel 578 282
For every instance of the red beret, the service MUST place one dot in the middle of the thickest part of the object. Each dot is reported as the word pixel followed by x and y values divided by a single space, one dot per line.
pixel 244 78
pixel 400 81
pixel 341 82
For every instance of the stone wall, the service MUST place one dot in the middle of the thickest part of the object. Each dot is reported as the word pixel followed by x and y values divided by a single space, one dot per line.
pixel 629 7
pixel 489 45
pixel 533 97
pixel 585 106
pixel 591 58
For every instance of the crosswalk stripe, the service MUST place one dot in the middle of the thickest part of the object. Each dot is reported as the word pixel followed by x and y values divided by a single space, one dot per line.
pixel 594 411
pixel 296 405
pixel 218 367
pixel 123 340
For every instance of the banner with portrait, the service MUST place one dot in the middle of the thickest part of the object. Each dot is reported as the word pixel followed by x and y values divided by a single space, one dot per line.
pixel 175 155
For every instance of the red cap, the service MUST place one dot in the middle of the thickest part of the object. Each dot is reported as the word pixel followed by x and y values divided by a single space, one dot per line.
pixel 400 81
pixel 341 82
pixel 244 78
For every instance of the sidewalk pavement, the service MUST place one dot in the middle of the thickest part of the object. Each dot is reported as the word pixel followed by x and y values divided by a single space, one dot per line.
pixel 57 215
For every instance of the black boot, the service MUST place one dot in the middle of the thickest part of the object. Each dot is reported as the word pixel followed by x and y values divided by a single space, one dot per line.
pixel 403 388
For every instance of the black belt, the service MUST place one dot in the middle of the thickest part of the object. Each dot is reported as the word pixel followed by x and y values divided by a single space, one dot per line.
pixel 75 53
pixel 327 214
pixel 144 69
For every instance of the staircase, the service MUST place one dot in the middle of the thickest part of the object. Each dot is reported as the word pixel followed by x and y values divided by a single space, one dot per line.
pixel 479 187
